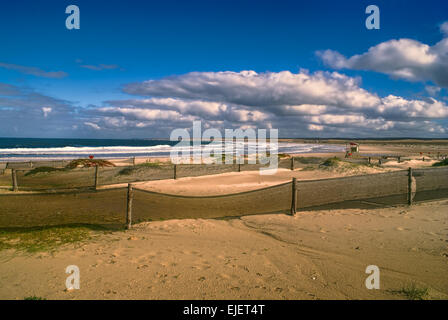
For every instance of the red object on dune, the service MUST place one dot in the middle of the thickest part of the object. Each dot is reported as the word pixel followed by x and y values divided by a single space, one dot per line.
pixel 350 154
pixel 421 153
pixel 91 157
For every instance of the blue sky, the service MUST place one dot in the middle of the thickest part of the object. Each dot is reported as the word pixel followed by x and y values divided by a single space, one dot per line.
pixel 90 81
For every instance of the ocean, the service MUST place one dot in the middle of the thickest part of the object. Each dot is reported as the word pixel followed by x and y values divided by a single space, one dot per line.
pixel 19 149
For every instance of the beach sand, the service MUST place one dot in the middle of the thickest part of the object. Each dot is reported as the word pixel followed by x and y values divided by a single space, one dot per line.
pixel 314 255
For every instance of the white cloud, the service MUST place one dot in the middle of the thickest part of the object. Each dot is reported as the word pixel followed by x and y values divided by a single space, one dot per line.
pixel 142 114
pixel 298 104
pixel 92 125
pixel 314 127
pixel 326 102
pixel 249 88
pixel 403 59
pixel 192 107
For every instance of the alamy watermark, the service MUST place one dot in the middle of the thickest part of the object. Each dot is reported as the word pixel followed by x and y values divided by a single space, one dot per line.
pixel 373 280
pixel 373 20
pixel 237 146
pixel 73 280
pixel 73 21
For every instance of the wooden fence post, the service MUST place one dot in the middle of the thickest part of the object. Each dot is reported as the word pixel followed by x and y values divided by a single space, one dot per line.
pixel 175 172
pixel 294 197
pixel 292 163
pixel 239 167
pixel 96 177
pixel 133 161
pixel 130 197
pixel 409 186
pixel 369 160
pixel 15 187
pixel 399 159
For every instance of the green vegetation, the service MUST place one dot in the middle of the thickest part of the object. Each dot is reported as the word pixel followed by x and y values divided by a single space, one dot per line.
pixel 130 170
pixel 34 298
pixel 223 157
pixel 87 163
pixel 43 170
pixel 126 171
pixel 441 163
pixel 331 162
pixel 40 239
pixel 412 292
pixel 339 165
pixel 148 164
pixel 309 168
pixel 308 160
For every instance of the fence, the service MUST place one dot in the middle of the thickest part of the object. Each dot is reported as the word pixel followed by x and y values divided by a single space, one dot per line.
pixel 65 179
pixel 126 206
pixel 63 208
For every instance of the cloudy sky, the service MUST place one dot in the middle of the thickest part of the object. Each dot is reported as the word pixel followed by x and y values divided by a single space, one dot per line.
pixel 139 69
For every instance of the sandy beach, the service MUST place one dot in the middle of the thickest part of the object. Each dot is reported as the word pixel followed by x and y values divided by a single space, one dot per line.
pixel 314 255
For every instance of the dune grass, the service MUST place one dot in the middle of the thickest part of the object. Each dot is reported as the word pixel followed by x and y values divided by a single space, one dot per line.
pixel 339 165
pixel 133 169
pixel 41 239
pixel 413 292
pixel 308 160
pixel 44 170
pixel 34 298
pixel 331 162
pixel 87 163
pixel 148 164
pixel 441 163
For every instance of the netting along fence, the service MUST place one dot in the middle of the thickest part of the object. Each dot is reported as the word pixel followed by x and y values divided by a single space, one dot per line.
pixel 36 164
pixel 105 207
pixel 62 178
pixel 109 206
pixel 149 205
pixel 430 183
pixel 319 192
